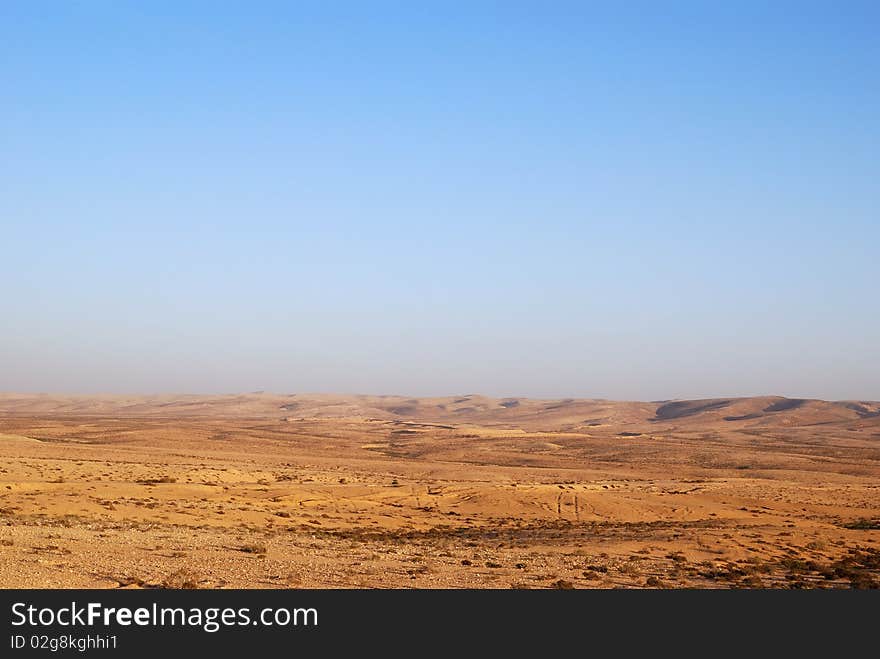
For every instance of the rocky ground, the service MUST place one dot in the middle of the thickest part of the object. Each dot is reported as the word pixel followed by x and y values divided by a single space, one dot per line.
pixel 470 492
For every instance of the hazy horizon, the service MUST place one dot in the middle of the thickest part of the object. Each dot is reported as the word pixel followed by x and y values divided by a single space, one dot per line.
pixel 513 199
pixel 354 394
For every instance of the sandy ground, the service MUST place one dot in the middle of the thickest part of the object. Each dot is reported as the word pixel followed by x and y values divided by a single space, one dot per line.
pixel 272 491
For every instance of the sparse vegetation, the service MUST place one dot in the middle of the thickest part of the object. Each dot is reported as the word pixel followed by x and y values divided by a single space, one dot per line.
pixel 254 548
pixel 155 500
pixel 182 579
pixel 157 481
pixel 863 525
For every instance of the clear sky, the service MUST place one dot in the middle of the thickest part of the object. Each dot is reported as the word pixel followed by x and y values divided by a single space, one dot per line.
pixel 622 200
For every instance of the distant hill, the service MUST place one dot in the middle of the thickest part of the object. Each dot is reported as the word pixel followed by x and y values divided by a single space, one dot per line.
pixel 516 412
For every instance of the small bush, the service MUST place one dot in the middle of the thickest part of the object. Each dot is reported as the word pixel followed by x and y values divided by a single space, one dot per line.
pixel 254 549
pixel 183 579
pixel 863 525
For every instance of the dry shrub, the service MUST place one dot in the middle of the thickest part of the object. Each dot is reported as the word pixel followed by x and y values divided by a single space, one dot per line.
pixel 182 579
pixel 254 548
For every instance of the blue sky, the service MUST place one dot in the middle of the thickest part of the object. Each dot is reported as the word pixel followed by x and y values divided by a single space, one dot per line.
pixel 644 201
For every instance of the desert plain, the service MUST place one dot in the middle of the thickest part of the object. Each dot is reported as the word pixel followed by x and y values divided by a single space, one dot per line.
pixel 342 491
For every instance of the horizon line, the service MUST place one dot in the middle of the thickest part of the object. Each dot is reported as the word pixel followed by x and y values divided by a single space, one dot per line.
pixel 105 394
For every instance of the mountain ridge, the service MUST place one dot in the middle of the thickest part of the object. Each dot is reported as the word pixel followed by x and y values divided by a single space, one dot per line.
pixel 567 413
